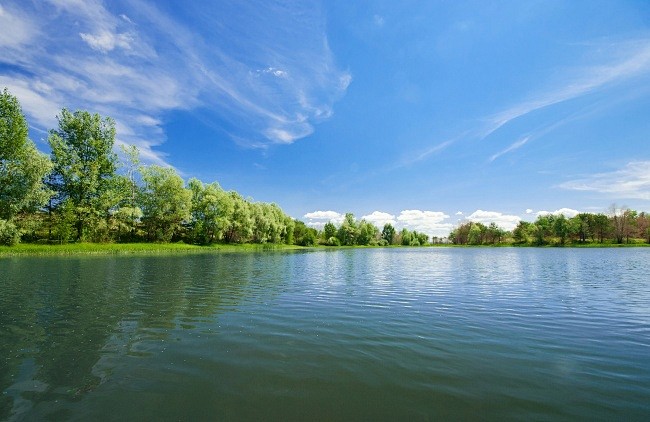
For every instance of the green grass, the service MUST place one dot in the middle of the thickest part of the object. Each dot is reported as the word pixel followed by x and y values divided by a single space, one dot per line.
pixel 133 248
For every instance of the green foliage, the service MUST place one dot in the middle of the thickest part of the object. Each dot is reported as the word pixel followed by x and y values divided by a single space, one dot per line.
pixel 388 233
pixel 22 166
pixel 347 233
pixel 303 235
pixel 166 204
pixel 84 165
pixel 9 233
pixel 329 231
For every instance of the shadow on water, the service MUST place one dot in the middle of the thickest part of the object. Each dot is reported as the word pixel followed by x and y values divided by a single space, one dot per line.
pixel 65 321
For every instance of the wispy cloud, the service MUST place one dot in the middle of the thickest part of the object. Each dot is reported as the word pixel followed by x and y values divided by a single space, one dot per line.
pixel 138 63
pixel 623 61
pixel 512 147
pixel 630 182
pixel 632 58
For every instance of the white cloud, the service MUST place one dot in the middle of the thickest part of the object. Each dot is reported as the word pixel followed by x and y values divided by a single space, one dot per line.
pixel 379 219
pixel 630 182
pixel 137 68
pixel 429 222
pixel 459 213
pixel 106 41
pixel 529 211
pixel 318 219
pixel 505 221
pixel 514 146
pixel 567 212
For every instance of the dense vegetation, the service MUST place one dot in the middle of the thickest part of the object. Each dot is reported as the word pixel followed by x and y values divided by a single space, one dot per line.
pixel 621 226
pixel 84 192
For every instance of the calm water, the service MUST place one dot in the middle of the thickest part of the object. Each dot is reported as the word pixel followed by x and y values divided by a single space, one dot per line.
pixel 375 334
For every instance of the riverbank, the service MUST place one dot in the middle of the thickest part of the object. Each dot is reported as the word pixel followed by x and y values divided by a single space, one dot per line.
pixel 133 248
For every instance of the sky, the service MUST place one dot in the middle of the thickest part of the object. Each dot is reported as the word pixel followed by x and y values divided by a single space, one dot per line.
pixel 421 114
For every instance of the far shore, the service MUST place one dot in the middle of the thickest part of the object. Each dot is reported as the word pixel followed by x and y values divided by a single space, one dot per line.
pixel 27 249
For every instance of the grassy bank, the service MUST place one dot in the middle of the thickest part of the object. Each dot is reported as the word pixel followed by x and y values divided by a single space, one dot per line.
pixel 133 248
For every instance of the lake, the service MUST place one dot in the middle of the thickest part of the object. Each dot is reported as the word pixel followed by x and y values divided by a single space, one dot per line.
pixel 356 334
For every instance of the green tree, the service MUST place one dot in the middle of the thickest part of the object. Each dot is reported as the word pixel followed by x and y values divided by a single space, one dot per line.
pixel 543 227
pixel 329 231
pixel 84 163
pixel 165 202
pixel 22 166
pixel 521 232
pixel 388 233
pixel 367 233
pixel 347 233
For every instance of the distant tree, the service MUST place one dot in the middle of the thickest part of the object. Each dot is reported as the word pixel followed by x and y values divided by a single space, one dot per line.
pixel 388 233
pixel 620 218
pixel 347 233
pixel 84 162
pixel 166 204
pixel 600 226
pixel 303 235
pixel 329 230
pixel 543 228
pixel 367 234
pixel 561 228
pixel 582 225
pixel 643 227
pixel 521 233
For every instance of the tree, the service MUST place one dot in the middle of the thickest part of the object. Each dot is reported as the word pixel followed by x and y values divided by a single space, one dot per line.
pixel 367 233
pixel 643 226
pixel 22 166
pixel 329 231
pixel 599 226
pixel 347 233
pixel 84 163
pixel 521 232
pixel 165 202
pixel 561 228
pixel 388 233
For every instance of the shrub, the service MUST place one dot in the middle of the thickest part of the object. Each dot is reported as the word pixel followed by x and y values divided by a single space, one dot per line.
pixel 9 233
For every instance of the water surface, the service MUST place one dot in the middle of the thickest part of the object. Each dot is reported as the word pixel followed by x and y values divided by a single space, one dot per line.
pixel 375 334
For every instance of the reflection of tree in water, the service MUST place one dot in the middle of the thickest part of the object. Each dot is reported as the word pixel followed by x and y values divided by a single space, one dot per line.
pixel 66 323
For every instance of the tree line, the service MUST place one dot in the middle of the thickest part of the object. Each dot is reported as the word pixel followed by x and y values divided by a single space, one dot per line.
pixel 619 226
pixel 84 192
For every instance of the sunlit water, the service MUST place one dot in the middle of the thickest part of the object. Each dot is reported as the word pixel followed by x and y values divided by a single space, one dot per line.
pixel 374 334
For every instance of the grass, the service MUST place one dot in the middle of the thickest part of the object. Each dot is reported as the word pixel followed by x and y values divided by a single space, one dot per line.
pixel 133 248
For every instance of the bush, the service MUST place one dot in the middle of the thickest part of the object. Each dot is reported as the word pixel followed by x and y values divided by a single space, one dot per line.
pixel 9 233
pixel 333 241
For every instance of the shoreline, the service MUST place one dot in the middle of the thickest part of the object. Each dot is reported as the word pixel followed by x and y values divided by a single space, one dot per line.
pixel 72 249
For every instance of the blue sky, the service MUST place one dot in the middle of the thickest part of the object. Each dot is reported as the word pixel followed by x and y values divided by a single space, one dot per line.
pixel 423 114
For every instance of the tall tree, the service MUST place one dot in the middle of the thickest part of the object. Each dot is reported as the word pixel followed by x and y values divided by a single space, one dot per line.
pixel 166 204
pixel 22 166
pixel 84 162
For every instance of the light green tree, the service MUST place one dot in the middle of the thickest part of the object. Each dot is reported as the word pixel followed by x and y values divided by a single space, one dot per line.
pixel 165 202
pixel 22 168
pixel 347 233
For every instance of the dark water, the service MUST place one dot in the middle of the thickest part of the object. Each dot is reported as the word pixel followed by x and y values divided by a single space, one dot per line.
pixel 374 334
